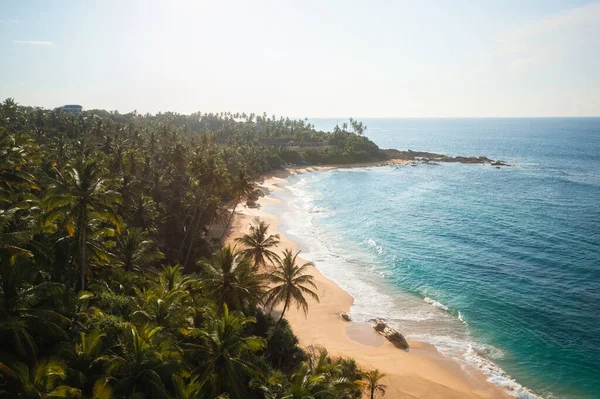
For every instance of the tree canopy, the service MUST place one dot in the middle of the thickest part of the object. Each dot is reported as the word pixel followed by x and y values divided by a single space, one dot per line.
pixel 114 282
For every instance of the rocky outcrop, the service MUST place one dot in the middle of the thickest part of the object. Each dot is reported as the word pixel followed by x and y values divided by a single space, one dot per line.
pixel 345 317
pixel 500 163
pixel 379 325
pixel 430 157
pixel 389 333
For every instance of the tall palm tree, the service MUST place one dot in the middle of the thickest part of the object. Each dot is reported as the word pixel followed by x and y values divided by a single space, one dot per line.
pixel 81 195
pixel 226 347
pixel 372 383
pixel 135 251
pixel 230 278
pixel 258 243
pixel 146 363
pixel 290 284
pixel 241 188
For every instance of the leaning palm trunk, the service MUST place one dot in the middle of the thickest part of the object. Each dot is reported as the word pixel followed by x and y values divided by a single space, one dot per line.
pixel 285 306
pixel 237 201
pixel 187 232
pixel 187 255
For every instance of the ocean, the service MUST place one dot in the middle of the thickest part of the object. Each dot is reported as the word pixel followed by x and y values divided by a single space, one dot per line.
pixel 499 268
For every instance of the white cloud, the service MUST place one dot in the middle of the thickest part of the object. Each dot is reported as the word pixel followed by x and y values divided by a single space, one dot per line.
pixel 34 42
pixel 8 22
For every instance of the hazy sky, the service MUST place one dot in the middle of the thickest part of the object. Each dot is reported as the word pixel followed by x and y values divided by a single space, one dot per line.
pixel 306 58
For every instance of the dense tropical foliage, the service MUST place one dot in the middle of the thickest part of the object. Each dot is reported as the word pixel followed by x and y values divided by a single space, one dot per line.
pixel 113 279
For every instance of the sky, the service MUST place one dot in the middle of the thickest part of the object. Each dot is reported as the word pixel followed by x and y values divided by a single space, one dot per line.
pixel 455 58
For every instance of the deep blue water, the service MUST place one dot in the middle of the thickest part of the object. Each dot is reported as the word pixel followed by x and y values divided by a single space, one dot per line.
pixel 497 267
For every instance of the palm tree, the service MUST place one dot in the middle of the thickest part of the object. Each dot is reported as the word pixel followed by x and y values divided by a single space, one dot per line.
pixel 16 153
pixel 81 196
pixel 171 309
pixel 146 363
pixel 44 380
pixel 193 389
pixel 101 389
pixel 22 319
pixel 372 383
pixel 242 188
pixel 85 357
pixel 13 241
pixel 172 278
pixel 231 279
pixel 318 378
pixel 258 243
pixel 226 347
pixel 135 251
pixel 291 284
pixel 304 384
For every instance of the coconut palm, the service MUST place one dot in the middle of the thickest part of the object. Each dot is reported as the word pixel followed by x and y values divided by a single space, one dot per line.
pixel 230 278
pixel 85 357
pixel 318 378
pixel 304 384
pixel 102 389
pixel 80 196
pixel 172 278
pixel 258 243
pixel 241 188
pixel 171 309
pixel 146 363
pixel 290 284
pixel 372 383
pixel 44 380
pixel 135 251
pixel 16 153
pixel 225 348
pixel 22 318
pixel 192 389
pixel 13 241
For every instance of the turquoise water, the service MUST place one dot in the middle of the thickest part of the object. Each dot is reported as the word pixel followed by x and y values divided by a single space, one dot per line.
pixel 499 268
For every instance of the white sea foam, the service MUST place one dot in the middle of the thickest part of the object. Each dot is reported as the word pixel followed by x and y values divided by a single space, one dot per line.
pixel 435 303
pixel 498 376
pixel 358 273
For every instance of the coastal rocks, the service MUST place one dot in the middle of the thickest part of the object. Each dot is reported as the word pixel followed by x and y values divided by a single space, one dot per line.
pixel 389 333
pixel 432 157
pixel 379 325
pixel 345 317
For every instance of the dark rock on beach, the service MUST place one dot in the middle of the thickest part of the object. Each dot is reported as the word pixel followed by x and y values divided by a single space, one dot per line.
pixel 345 317
pixel 390 334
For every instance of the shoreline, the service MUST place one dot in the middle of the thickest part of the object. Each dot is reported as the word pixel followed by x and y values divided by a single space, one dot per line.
pixel 422 372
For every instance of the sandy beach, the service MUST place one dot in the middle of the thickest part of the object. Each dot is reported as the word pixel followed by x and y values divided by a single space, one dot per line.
pixel 422 372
